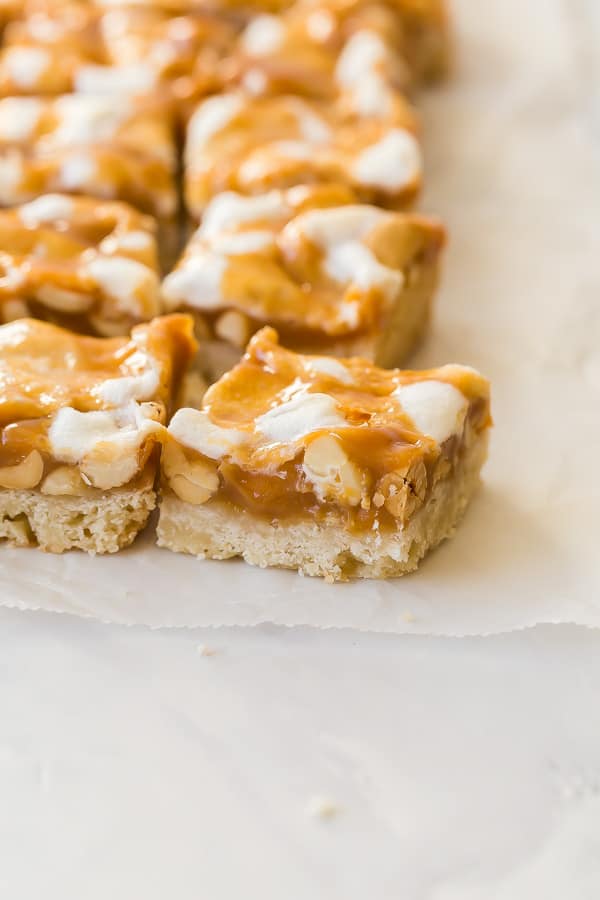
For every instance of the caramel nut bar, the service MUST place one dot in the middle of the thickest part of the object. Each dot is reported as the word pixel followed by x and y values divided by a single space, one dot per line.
pixel 81 420
pixel 331 275
pixel 87 264
pixel 332 467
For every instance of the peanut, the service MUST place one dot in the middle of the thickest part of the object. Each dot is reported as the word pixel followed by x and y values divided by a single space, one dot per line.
pixel 64 481
pixel 63 300
pixel 234 327
pixel 195 482
pixel 327 465
pixel 25 475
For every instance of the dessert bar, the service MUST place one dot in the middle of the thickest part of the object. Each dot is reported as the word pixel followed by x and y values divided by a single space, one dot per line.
pixel 332 467
pixel 114 148
pixel 81 418
pixel 332 276
pixel 89 265
pixel 254 144
pixel 128 50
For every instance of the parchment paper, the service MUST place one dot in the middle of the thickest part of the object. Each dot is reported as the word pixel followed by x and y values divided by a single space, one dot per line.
pixel 513 143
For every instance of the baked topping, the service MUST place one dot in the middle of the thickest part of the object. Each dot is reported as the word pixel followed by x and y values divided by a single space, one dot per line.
pixel 113 148
pixel 94 404
pixel 128 49
pixel 78 261
pixel 299 260
pixel 322 53
pixel 289 434
pixel 254 144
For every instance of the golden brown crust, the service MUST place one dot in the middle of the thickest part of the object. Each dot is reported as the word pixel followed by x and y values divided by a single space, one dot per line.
pixel 104 523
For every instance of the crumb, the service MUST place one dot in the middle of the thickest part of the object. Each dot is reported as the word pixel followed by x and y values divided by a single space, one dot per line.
pixel 204 650
pixel 319 807
pixel 409 617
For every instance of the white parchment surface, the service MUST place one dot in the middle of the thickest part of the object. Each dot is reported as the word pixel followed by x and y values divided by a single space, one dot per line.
pixel 513 146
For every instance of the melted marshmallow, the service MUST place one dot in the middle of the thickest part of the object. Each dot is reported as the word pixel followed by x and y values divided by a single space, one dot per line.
pixel 212 116
pixel 120 391
pixel 122 279
pixel 11 173
pixel 326 365
pixel 194 429
pixel 78 171
pixel 329 227
pixel 391 163
pixel 19 117
pixel 320 25
pixel 132 240
pixel 263 160
pixel 436 408
pixel 26 64
pixel 358 70
pixel 338 233
pixel 313 128
pixel 73 435
pixel 243 242
pixel 228 210
pixel 197 282
pixel 47 208
pixel 264 35
pixel 300 416
pixel 136 78
pixel 361 54
pixel 255 81
pixel 87 120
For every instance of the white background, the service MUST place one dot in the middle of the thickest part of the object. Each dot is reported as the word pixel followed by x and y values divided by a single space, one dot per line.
pixel 132 765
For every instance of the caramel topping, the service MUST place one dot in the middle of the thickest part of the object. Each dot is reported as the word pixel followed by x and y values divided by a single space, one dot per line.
pixel 78 261
pixel 301 261
pixel 101 145
pixel 134 50
pixel 44 368
pixel 290 434
pixel 298 52
pixel 251 145
pixel 98 406
pixel 269 374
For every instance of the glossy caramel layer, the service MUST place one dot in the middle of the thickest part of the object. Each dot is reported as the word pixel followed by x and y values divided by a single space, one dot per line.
pixel 322 51
pixel 310 261
pixel 128 49
pixel 112 147
pixel 288 435
pixel 45 369
pixel 83 263
pixel 254 144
